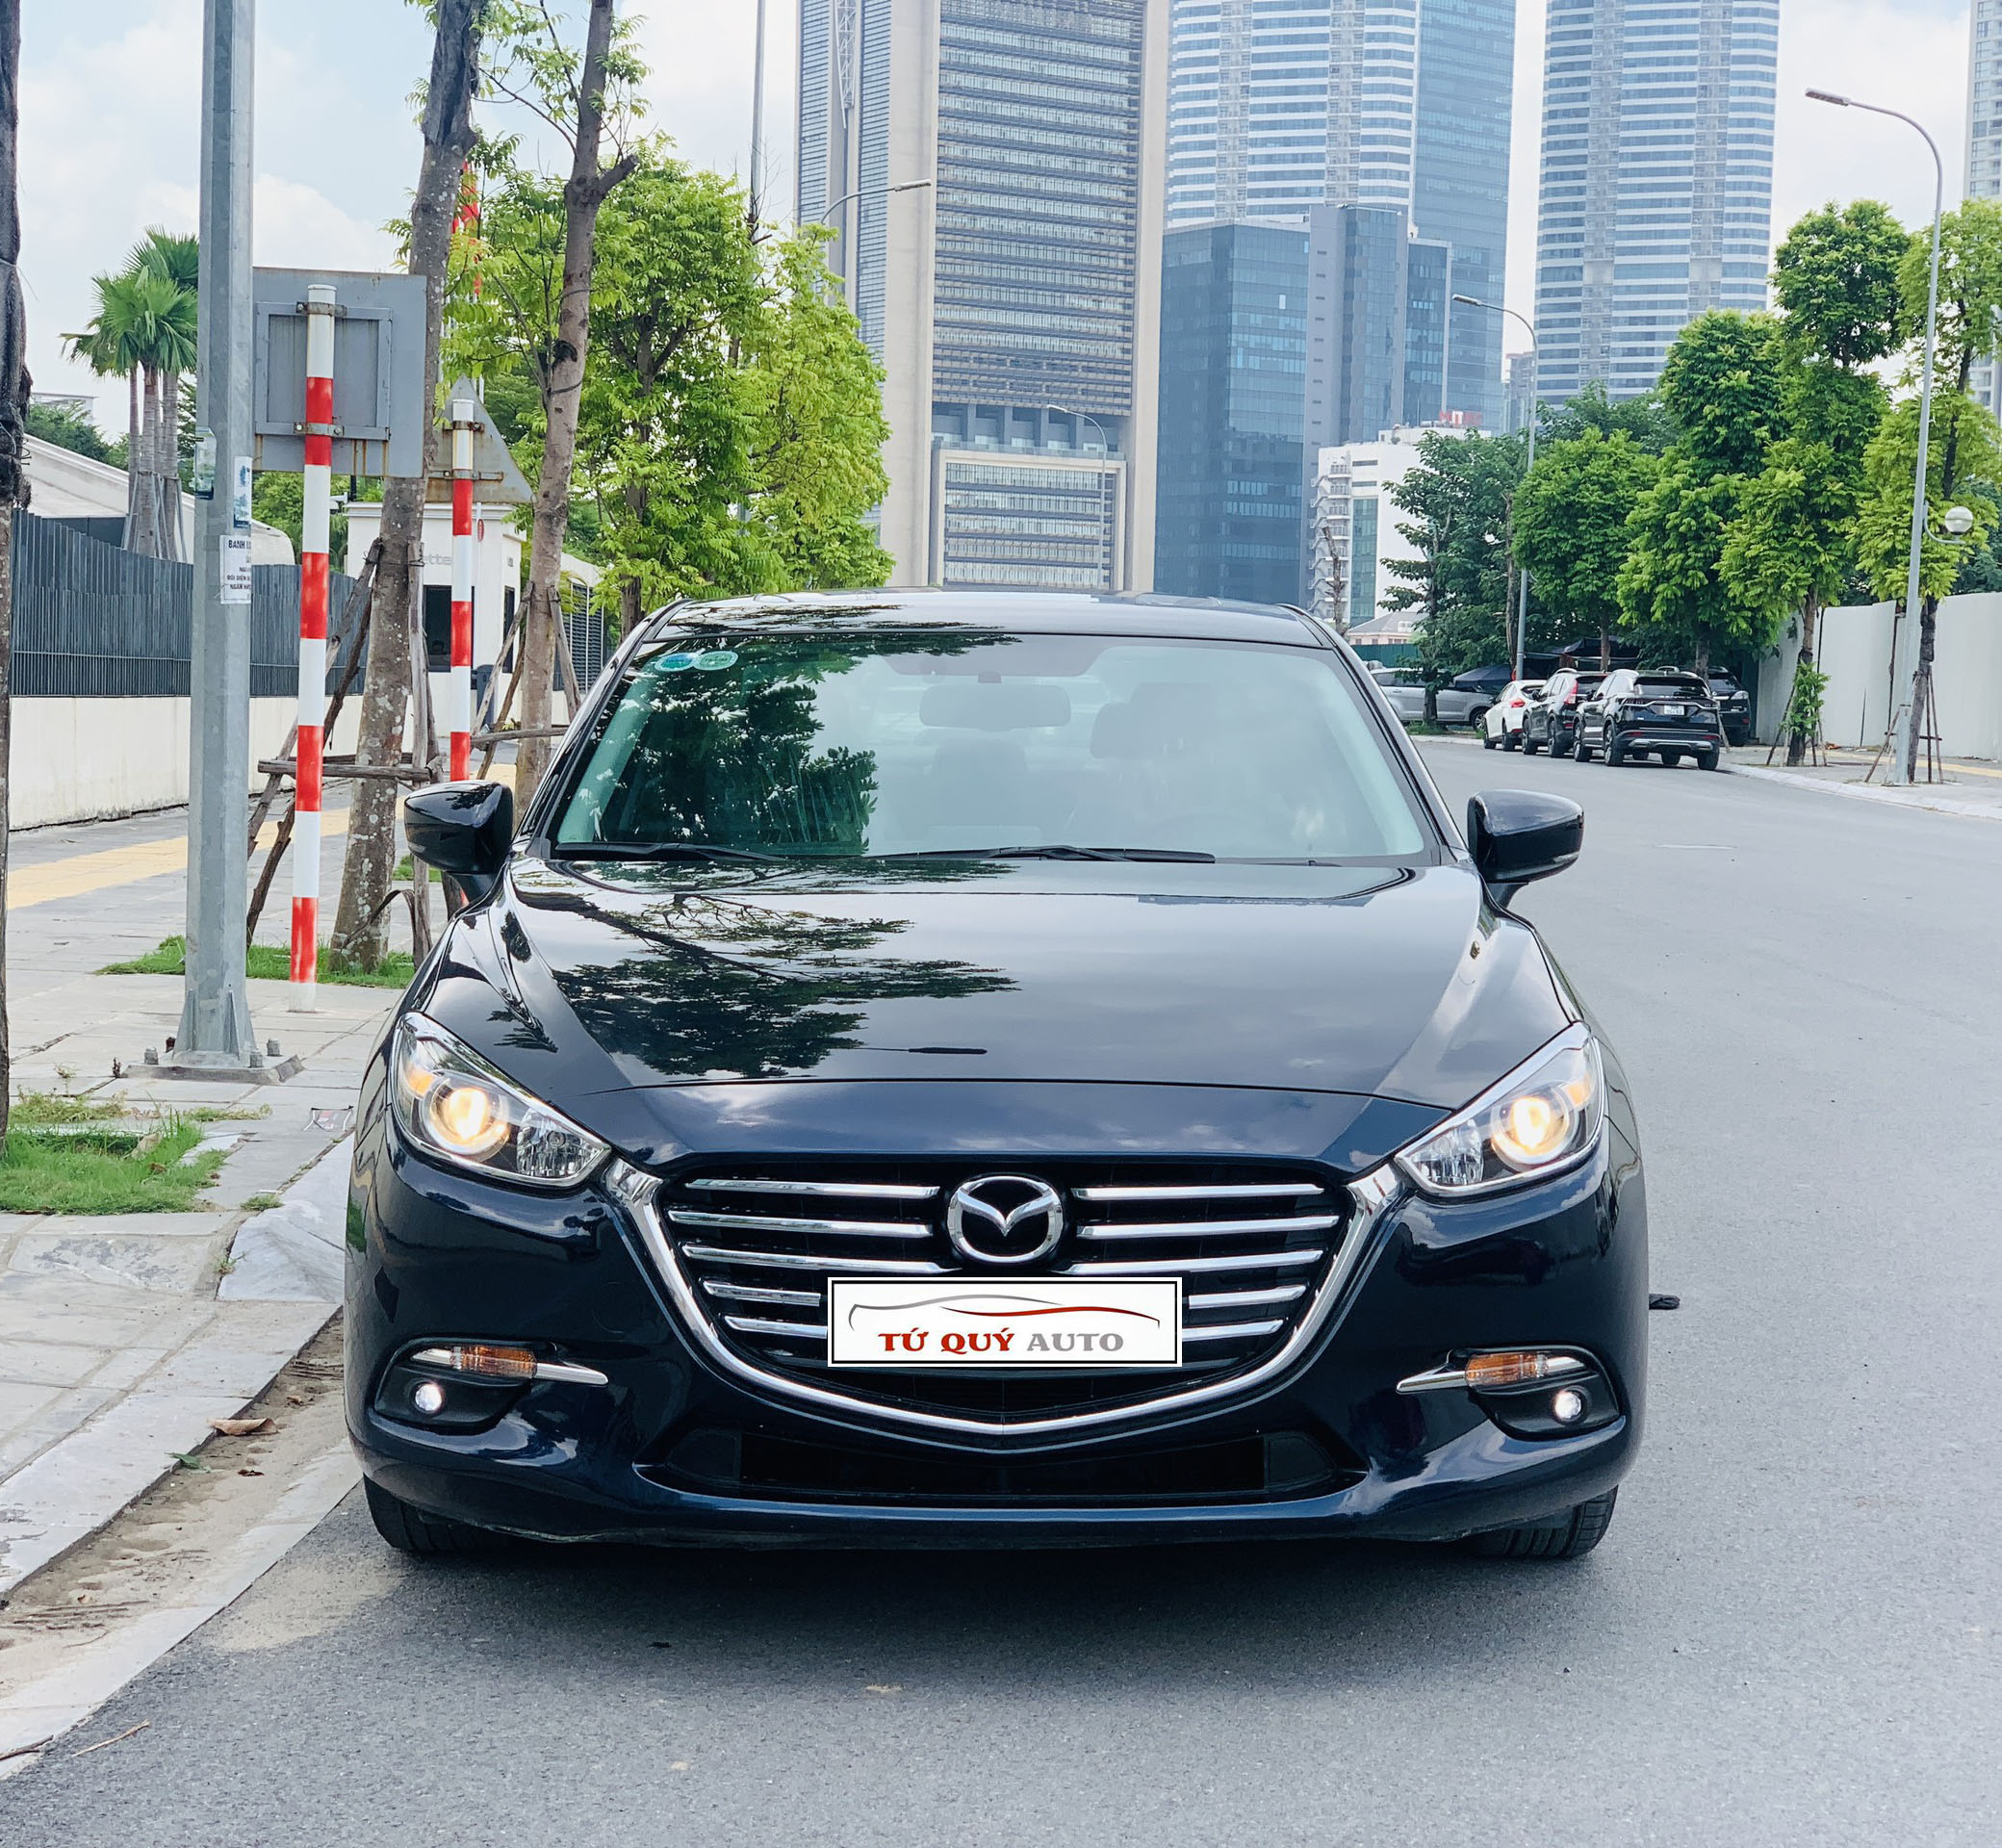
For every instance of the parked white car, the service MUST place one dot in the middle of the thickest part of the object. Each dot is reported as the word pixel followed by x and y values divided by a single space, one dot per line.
pixel 1406 693
pixel 1501 726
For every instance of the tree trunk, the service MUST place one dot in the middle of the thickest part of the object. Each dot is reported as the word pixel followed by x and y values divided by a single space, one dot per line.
pixel 1605 649
pixel 583 192
pixel 1797 739
pixel 166 464
pixel 134 500
pixel 372 834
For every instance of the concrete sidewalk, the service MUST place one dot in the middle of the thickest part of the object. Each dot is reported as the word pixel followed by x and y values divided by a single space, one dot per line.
pixel 122 1336
pixel 1969 787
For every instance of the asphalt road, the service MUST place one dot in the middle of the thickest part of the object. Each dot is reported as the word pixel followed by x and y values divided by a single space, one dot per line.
pixel 1789 1636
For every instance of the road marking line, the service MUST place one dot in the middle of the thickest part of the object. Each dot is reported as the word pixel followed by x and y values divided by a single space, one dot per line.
pixel 84 873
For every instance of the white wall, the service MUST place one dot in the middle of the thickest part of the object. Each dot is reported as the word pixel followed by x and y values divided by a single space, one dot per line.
pixel 1854 651
pixel 89 759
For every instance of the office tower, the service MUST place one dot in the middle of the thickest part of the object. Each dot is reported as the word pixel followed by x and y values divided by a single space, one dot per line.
pixel 1984 142
pixel 1276 108
pixel 1378 307
pixel 1013 303
pixel 1233 351
pixel 1656 184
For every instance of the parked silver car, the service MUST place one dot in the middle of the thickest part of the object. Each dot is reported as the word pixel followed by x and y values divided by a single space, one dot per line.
pixel 1406 693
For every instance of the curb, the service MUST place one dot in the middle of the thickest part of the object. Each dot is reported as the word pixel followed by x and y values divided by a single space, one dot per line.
pixel 40 1714
pixel 1863 792
pixel 78 1486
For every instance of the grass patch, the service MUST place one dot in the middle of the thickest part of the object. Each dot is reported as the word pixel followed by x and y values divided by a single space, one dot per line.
pixel 273 963
pixel 48 1109
pixel 260 1203
pixel 91 1169
pixel 403 872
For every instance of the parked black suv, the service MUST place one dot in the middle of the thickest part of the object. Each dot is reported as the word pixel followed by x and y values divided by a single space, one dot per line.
pixel 1655 711
pixel 1552 722
pixel 940 1069
pixel 1733 706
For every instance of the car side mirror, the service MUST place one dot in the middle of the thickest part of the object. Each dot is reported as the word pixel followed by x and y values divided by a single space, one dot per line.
pixel 464 829
pixel 1517 835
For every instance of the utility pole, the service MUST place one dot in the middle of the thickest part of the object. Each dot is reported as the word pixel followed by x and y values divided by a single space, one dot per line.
pixel 758 125
pixel 216 1033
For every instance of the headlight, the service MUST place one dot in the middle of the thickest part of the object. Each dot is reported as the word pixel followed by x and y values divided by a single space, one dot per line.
pixel 452 1104
pixel 1543 1117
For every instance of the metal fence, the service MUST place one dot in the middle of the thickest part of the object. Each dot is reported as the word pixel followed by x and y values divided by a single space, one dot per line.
pixel 93 621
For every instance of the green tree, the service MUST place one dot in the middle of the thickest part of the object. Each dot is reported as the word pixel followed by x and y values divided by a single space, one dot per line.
pixel 817 397
pixel 1672 588
pixel 1792 545
pixel 1835 281
pixel 1723 386
pixel 145 331
pixel 1967 433
pixel 1570 524
pixel 1459 495
pixel 69 428
pixel 1643 418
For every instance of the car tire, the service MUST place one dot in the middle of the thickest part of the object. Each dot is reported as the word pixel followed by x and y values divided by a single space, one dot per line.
pixel 1511 740
pixel 1615 752
pixel 1671 759
pixel 1488 740
pixel 1528 745
pixel 1562 750
pixel 1708 759
pixel 1570 1536
pixel 424 1536
pixel 1478 718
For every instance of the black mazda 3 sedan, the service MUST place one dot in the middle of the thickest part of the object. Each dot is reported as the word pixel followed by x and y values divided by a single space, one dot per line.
pixel 941 1069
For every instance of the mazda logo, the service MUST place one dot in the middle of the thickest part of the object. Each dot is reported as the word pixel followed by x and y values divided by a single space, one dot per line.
pixel 1004 1219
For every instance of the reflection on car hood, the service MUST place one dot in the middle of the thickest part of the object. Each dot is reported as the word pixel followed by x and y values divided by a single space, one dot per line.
pixel 1366 981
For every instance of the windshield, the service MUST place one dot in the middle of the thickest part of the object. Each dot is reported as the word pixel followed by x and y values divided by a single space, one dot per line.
pixel 914 743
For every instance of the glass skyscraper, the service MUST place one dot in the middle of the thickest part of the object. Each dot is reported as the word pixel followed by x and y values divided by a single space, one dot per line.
pixel 1004 301
pixel 1656 181
pixel 1231 473
pixel 1277 107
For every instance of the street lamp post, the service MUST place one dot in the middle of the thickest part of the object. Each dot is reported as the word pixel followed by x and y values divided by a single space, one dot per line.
pixel 1112 563
pixel 826 216
pixel 1522 619
pixel 1904 667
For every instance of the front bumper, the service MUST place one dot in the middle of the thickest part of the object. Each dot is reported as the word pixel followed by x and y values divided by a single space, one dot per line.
pixel 661 1451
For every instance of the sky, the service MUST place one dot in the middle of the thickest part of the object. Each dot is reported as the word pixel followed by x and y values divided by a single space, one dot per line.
pixel 110 99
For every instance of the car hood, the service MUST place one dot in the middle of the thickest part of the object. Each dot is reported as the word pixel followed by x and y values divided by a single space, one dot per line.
pixel 1359 983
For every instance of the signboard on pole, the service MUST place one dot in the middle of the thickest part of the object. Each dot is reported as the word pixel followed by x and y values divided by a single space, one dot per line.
pixel 380 403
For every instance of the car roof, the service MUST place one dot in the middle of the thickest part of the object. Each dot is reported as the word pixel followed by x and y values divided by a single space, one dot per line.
pixel 1032 612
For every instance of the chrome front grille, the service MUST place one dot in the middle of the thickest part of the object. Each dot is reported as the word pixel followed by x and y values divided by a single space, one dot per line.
pixel 751 1251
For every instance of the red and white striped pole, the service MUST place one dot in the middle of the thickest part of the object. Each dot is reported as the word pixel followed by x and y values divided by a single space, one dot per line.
pixel 464 416
pixel 315 520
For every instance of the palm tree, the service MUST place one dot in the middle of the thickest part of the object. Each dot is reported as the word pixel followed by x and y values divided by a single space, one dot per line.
pixel 144 329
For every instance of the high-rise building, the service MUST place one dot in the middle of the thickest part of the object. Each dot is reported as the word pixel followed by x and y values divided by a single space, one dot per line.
pixel 1277 107
pixel 1656 181
pixel 1984 142
pixel 1233 356
pixel 992 170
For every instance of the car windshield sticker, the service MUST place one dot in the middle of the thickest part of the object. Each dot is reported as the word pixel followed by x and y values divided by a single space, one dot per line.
pixel 716 660
pixel 675 663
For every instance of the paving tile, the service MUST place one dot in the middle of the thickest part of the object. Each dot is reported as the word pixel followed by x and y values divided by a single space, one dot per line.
pixel 46 1363
pixel 183 1264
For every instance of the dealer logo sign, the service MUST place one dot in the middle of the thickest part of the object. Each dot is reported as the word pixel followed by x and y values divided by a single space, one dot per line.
pixel 1053 1321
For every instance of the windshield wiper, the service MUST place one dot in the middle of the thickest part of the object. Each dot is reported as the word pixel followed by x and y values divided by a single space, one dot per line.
pixel 1056 851
pixel 653 850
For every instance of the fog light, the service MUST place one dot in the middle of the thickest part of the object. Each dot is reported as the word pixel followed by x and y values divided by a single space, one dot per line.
pixel 429 1399
pixel 1568 1406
